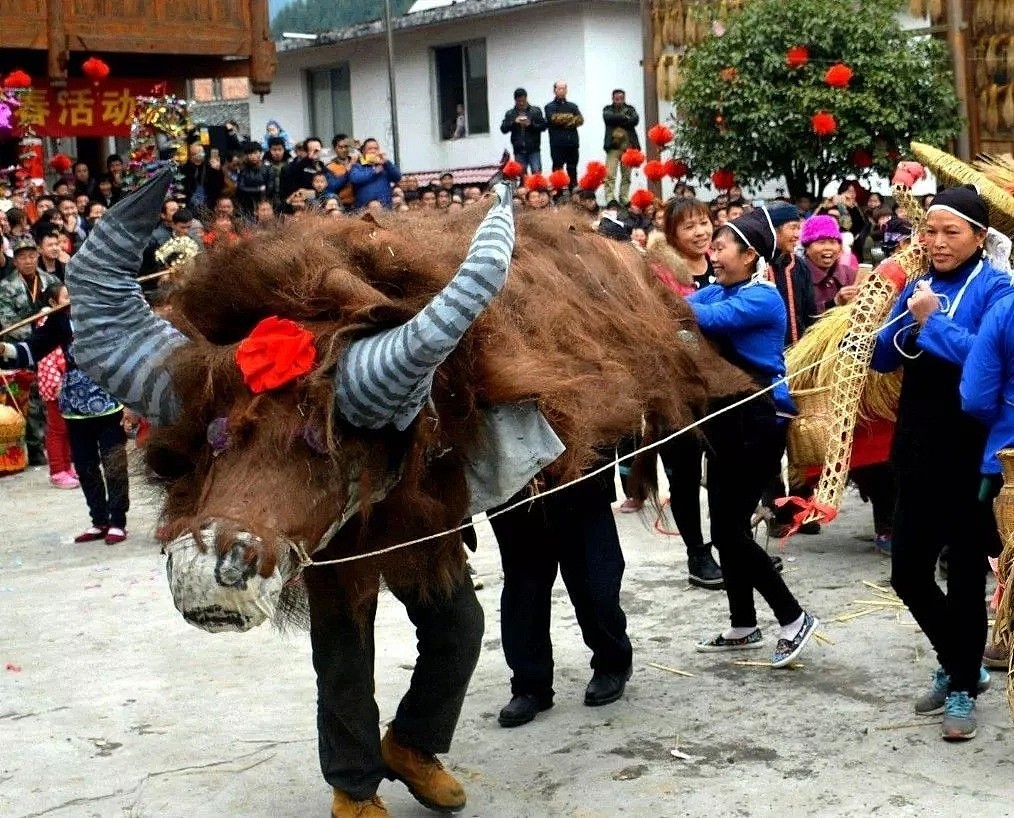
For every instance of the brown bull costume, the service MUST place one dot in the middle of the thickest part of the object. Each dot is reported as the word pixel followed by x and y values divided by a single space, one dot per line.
pixel 434 389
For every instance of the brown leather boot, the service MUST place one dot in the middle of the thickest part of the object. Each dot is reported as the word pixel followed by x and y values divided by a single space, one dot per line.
pixel 342 806
pixel 430 784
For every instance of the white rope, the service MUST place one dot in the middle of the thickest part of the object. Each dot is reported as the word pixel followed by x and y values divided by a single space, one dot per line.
pixel 595 472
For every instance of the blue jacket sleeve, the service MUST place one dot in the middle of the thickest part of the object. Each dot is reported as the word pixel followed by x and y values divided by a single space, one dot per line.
pixel 886 357
pixel 752 306
pixel 950 340
pixel 360 174
pixel 983 376
pixel 393 174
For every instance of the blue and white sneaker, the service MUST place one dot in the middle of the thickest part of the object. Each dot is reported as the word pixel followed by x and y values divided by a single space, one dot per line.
pixel 959 717
pixel 787 650
pixel 932 702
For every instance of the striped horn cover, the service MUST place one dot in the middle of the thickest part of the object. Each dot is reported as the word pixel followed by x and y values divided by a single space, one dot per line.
pixel 119 341
pixel 387 377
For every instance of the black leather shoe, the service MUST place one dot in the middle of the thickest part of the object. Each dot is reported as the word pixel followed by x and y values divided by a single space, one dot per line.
pixel 703 571
pixel 522 708
pixel 605 688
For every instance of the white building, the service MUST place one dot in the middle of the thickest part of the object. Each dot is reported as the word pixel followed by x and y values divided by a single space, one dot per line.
pixel 470 52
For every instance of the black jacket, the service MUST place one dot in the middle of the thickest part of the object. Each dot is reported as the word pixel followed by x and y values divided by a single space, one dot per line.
pixel 252 185
pixel 563 119
pixel 800 304
pixel 524 139
pixel 624 117
pixel 202 174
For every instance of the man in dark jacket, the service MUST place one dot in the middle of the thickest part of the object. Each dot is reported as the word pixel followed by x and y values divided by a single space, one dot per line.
pixel 564 118
pixel 254 181
pixel 202 182
pixel 620 119
pixel 525 124
pixel 299 174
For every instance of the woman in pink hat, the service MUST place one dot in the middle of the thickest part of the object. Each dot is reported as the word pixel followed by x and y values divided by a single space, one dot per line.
pixel 834 280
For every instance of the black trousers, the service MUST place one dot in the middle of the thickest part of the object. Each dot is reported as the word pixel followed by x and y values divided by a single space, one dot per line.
pixel 876 484
pixel 937 507
pixel 573 531
pixel 449 634
pixel 743 447
pixel 98 448
pixel 565 157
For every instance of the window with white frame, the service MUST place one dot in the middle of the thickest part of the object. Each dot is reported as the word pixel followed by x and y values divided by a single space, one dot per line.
pixel 329 91
pixel 462 101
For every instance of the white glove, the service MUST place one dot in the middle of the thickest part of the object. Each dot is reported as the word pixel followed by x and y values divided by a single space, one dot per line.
pixel 8 353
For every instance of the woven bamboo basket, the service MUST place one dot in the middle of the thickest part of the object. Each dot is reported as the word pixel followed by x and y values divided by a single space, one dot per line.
pixel 808 431
pixel 12 425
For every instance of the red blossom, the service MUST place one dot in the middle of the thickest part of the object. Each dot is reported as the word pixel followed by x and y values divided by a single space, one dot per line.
pixel 862 158
pixel 723 179
pixel 95 69
pixel 597 170
pixel 632 158
pixel 823 123
pixel 729 74
pixel 512 170
pixel 536 182
pixel 559 179
pixel 654 171
pixel 797 56
pixel 275 352
pixel 838 75
pixel 642 199
pixel 676 168
pixel 17 79
pixel 660 135
pixel 589 182
pixel 61 163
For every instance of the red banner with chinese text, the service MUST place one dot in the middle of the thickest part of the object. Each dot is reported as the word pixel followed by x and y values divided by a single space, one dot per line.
pixel 83 108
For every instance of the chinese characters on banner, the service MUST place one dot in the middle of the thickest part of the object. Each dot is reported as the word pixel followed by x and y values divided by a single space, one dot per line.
pixel 83 108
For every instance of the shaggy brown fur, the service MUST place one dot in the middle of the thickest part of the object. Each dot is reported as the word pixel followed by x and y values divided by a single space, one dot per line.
pixel 580 327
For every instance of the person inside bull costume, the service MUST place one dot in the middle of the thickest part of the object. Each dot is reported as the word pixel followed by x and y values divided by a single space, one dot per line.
pixel 124 344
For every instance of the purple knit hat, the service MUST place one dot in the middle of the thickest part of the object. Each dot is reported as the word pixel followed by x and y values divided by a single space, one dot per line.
pixel 816 228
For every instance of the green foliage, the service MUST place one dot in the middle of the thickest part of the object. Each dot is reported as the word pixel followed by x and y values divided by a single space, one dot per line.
pixel 314 16
pixel 901 90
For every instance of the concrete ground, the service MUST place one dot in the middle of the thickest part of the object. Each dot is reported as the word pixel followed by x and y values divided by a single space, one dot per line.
pixel 111 705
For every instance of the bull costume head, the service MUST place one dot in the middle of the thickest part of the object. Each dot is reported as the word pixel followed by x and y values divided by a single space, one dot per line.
pixel 381 380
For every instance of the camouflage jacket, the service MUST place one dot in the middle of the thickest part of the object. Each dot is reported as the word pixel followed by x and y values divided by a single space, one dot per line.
pixel 16 301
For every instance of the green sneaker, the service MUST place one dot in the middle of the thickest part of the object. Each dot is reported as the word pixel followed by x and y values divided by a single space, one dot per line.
pixel 959 717
pixel 932 703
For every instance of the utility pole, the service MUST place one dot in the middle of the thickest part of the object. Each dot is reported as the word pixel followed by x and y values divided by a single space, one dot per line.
pixel 391 83
pixel 649 70
pixel 956 42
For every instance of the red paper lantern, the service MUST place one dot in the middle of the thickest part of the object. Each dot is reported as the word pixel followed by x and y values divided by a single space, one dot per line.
pixel 655 171
pixel 512 170
pixel 597 170
pixel 862 158
pixel 660 135
pixel 723 179
pixel 642 199
pixel 632 158
pixel 589 182
pixel 61 163
pixel 838 76
pixel 17 79
pixel 559 179
pixel 823 123
pixel 536 182
pixel 95 69
pixel 797 56
pixel 676 168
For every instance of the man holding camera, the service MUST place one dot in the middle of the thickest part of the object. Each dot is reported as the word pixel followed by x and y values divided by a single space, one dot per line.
pixel 525 123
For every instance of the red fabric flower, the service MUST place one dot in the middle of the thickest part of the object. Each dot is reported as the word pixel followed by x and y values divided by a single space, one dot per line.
pixel 589 182
pixel 654 171
pixel 908 173
pixel 676 168
pixel 862 158
pixel 838 75
pixel 512 170
pixel 893 272
pixel 17 79
pixel 559 179
pixel 797 56
pixel 823 123
pixel 660 135
pixel 597 170
pixel 275 352
pixel 95 69
pixel 632 158
pixel 723 179
pixel 61 163
pixel 642 198
pixel 536 182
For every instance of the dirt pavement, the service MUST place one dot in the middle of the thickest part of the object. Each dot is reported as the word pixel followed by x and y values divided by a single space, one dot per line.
pixel 111 705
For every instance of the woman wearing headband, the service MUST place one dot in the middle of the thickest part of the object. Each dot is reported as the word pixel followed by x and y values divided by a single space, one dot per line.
pixel 937 451
pixel 743 314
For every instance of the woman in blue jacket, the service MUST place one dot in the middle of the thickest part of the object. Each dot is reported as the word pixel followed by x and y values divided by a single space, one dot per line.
pixel 937 452
pixel 373 175
pixel 745 316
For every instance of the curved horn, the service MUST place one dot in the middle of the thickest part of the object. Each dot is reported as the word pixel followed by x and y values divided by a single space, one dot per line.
pixel 386 378
pixel 118 341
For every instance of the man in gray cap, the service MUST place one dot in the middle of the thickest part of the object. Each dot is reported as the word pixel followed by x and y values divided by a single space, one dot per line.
pixel 22 294
pixel 525 123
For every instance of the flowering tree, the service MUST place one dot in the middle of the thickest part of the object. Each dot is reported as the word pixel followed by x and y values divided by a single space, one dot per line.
pixel 811 90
